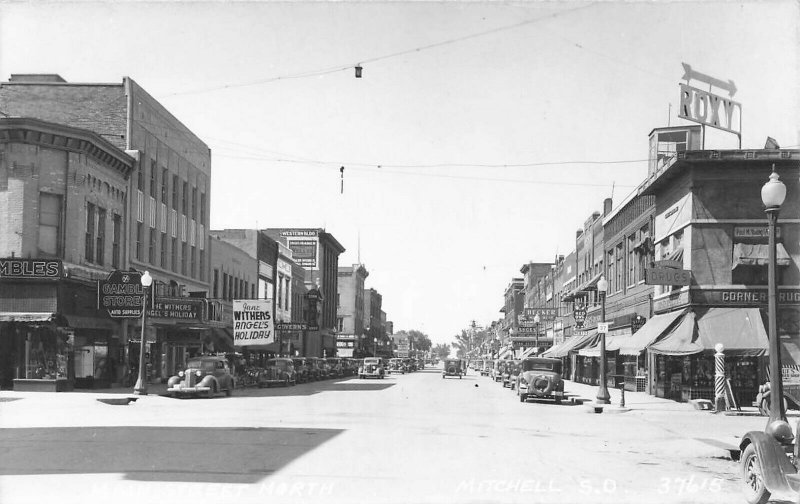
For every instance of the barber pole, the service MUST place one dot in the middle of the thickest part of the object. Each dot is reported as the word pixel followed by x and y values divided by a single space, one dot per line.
pixel 719 378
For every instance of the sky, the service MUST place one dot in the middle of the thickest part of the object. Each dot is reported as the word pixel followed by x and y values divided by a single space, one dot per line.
pixel 480 137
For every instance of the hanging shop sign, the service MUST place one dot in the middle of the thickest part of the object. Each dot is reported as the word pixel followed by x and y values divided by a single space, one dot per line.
pixel 526 330
pixel 667 276
pixel 544 313
pixel 121 294
pixel 18 268
pixel 579 313
pixel 253 323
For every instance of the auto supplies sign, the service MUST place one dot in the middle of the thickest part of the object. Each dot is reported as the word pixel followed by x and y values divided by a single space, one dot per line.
pixel 253 323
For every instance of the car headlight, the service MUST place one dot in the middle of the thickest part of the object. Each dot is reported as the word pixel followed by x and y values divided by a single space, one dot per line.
pixel 180 373
pixel 198 373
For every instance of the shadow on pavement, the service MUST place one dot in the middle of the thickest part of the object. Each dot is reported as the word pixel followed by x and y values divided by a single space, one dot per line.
pixel 174 454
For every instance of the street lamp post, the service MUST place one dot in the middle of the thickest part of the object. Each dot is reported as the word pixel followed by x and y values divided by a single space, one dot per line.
pixel 141 382
pixel 536 320
pixel 773 194
pixel 603 397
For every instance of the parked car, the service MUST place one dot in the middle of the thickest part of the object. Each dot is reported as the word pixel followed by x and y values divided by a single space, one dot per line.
pixel 396 366
pixel 335 369
pixel 319 367
pixel 508 372
pixel 280 371
pixel 452 367
pixel 514 374
pixel 372 368
pixel 486 370
pixel 498 370
pixel 302 373
pixel 540 378
pixel 205 375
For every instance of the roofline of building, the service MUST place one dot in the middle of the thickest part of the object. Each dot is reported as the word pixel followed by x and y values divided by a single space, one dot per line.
pixel 48 134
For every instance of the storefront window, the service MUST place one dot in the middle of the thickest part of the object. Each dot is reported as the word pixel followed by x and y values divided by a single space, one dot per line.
pixel 47 354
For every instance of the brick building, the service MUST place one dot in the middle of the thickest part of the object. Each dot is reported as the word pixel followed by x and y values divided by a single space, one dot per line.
pixel 166 222
pixel 63 204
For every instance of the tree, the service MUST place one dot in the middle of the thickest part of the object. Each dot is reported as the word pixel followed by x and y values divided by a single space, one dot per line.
pixel 441 351
pixel 419 340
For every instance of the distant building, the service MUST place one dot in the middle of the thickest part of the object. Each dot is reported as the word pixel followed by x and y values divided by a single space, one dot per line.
pixel 350 308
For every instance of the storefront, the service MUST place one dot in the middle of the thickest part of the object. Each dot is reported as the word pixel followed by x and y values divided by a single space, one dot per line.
pixel 682 360
pixel 51 336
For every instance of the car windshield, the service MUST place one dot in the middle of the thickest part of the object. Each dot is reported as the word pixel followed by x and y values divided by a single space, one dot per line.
pixel 282 364
pixel 371 361
pixel 538 365
pixel 205 365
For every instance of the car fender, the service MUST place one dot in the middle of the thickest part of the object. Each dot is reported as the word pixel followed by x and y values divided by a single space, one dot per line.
pixel 174 380
pixel 775 464
pixel 209 381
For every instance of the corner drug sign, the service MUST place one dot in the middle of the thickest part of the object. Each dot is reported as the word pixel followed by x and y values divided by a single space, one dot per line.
pixel 253 323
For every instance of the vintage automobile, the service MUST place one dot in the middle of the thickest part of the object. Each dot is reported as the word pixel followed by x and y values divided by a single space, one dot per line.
pixel 396 366
pixel 512 373
pixel 498 370
pixel 507 372
pixel 279 371
pixel 486 370
pixel 769 461
pixel 205 376
pixel 335 369
pixel 540 378
pixel 452 367
pixel 318 367
pixel 302 374
pixel 371 368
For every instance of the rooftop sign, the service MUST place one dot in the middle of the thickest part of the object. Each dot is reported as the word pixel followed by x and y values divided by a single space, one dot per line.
pixel 706 108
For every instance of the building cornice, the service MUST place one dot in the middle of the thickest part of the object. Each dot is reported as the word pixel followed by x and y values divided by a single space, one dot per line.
pixel 32 131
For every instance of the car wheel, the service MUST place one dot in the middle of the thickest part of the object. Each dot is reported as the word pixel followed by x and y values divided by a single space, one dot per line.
pixel 752 476
pixel 211 390
pixel 229 390
pixel 558 400
pixel 286 381
pixel 523 397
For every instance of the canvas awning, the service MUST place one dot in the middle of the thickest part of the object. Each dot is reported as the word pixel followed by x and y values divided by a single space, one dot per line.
pixel 221 339
pixel 79 322
pixel 573 343
pixel 757 254
pixel 649 333
pixel 790 351
pixel 612 344
pixel 740 330
pixel 27 317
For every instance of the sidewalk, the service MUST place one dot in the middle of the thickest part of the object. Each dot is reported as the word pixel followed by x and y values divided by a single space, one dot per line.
pixel 640 401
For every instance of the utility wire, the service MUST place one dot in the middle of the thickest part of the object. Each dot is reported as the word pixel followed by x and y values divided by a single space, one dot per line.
pixel 349 66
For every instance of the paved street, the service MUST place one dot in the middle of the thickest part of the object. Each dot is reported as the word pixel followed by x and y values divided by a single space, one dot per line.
pixel 407 438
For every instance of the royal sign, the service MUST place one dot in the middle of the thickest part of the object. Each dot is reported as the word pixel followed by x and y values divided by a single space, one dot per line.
pixel 253 323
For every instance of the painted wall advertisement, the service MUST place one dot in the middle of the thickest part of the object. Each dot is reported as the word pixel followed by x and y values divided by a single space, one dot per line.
pixel 253 323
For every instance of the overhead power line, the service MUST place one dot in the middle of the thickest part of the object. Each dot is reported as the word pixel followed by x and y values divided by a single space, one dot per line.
pixel 359 63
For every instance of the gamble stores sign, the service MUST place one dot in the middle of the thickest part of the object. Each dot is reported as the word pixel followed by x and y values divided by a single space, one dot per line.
pixel 253 323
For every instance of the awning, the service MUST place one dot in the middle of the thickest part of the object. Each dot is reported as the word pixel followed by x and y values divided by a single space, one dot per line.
pixel 27 317
pixel 757 254
pixel 649 333
pixel 528 352
pixel 221 339
pixel 790 351
pixel 573 343
pixel 503 353
pixel 676 255
pixel 740 330
pixel 612 344
pixel 79 322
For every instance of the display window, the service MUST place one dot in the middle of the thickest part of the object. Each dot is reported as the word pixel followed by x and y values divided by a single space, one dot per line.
pixel 46 355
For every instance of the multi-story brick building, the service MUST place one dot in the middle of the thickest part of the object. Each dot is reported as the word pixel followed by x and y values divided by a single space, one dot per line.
pixel 350 308
pixel 373 331
pixel 317 251
pixel 167 199
pixel 63 204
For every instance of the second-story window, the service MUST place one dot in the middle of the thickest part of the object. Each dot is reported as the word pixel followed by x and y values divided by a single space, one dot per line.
pixel 153 179
pixel 90 216
pixel 116 245
pixel 101 236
